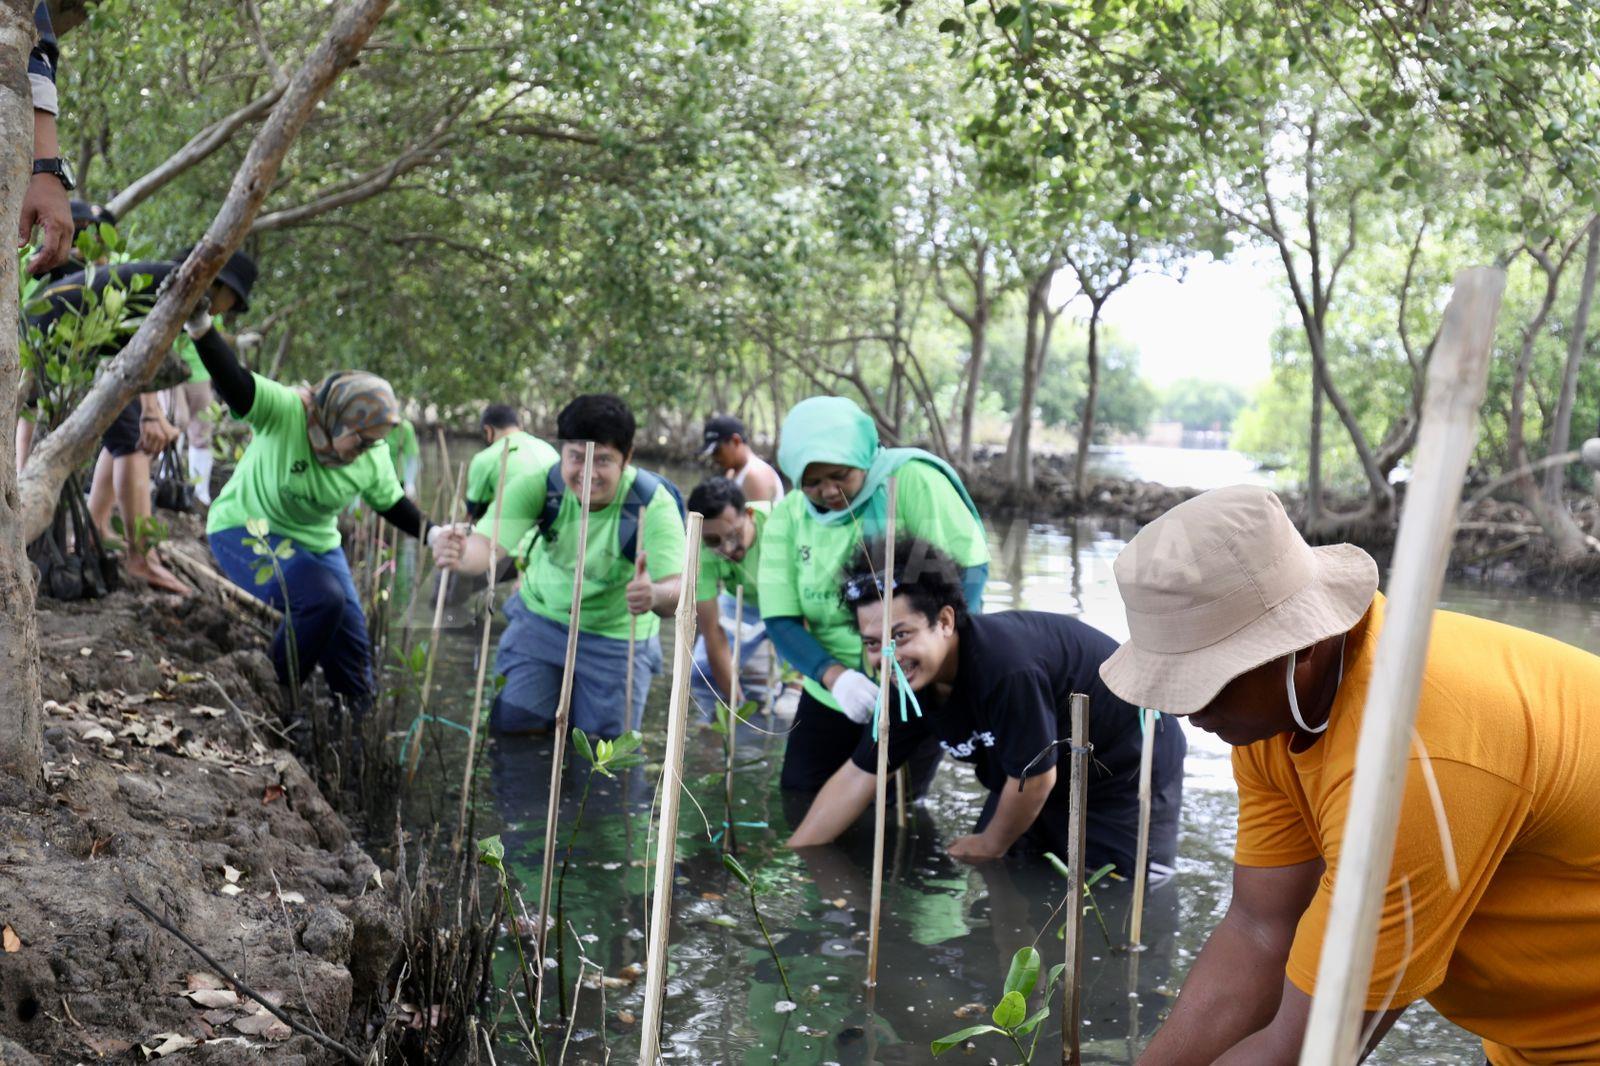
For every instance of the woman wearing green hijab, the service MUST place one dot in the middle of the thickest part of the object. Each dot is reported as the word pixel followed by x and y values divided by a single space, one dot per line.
pixel 830 451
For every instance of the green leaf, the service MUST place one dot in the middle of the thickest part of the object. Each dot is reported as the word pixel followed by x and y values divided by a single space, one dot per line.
pixel 1094 878
pixel 735 868
pixel 1011 1010
pixel 1033 1022
pixel 492 851
pixel 629 741
pixel 1024 973
pixel 955 26
pixel 580 740
pixel 1006 15
pixel 1055 975
pixel 257 527
pixel 1061 867
pixel 945 1043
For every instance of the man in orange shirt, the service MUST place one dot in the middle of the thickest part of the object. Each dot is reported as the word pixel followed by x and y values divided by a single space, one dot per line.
pixel 1492 912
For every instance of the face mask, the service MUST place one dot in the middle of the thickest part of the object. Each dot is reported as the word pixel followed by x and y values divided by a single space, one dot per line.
pixel 1294 703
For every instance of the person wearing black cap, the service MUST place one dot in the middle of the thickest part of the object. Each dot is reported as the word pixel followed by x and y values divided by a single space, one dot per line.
pixel 728 446
pixel 230 294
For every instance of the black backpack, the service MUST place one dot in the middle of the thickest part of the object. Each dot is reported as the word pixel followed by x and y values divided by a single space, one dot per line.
pixel 73 565
pixel 644 488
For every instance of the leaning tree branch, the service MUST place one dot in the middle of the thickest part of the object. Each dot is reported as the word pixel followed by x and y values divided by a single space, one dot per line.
pixel 199 148
pixel 71 445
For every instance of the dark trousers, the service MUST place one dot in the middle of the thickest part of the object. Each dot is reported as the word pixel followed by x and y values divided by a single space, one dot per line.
pixel 323 607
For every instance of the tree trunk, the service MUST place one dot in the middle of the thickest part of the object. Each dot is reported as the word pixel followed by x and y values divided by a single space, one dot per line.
pixel 70 446
pixel 1561 432
pixel 1080 477
pixel 1314 508
pixel 1019 456
pixel 21 755
pixel 977 325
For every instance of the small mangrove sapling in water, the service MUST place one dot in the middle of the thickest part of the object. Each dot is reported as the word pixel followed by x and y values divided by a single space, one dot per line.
pixel 492 853
pixel 1088 891
pixel 738 870
pixel 1011 1017
pixel 604 757
pixel 726 723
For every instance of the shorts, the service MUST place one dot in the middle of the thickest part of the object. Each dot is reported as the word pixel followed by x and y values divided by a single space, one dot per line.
pixel 121 438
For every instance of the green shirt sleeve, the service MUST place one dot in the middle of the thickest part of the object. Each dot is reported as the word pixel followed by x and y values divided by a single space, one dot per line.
pixel 519 510
pixel 930 508
pixel 775 578
pixel 661 537
pixel 380 488
pixel 482 473
pixel 274 408
pixel 708 584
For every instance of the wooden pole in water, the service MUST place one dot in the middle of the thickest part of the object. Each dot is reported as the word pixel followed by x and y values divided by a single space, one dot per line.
pixel 483 647
pixel 733 711
pixel 627 684
pixel 433 639
pixel 655 967
pixel 558 753
pixel 901 776
pixel 1141 855
pixel 1072 976
pixel 881 788
pixel 1456 381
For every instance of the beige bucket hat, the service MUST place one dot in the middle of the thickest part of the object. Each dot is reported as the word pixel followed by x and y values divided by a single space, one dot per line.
pixel 1219 585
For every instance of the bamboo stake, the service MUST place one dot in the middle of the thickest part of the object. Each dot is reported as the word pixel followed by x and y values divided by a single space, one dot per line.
pixel 655 968
pixel 901 776
pixel 1141 873
pixel 483 647
pixel 563 706
pixel 1072 976
pixel 1456 382
pixel 881 786
pixel 733 711
pixel 433 639
pixel 627 684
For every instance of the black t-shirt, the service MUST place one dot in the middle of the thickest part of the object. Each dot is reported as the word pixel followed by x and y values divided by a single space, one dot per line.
pixel 1011 702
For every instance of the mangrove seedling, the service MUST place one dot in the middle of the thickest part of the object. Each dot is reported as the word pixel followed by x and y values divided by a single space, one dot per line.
pixel 604 757
pixel 492 853
pixel 1088 891
pixel 269 566
pixel 738 870
pixel 1011 1017
pixel 727 724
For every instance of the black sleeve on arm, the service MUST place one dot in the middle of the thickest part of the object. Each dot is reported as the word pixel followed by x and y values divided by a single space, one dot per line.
pixel 476 511
pixel 233 382
pixel 904 739
pixel 405 517
pixel 1023 701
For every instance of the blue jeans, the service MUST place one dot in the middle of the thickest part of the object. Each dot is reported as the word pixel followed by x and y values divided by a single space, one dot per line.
pixel 323 607
pixel 531 656
pixel 752 635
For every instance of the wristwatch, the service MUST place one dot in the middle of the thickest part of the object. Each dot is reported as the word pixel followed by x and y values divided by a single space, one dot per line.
pixel 59 168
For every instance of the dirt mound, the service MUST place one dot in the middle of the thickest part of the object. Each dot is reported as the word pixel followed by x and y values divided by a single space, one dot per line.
pixel 164 782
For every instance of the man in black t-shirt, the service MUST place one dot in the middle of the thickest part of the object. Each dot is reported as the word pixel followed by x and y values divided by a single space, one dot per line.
pixel 995 690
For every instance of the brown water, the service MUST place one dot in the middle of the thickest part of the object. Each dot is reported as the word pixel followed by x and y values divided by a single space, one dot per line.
pixel 949 929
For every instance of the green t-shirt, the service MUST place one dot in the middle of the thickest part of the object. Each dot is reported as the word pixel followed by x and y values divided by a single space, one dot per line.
pixel 191 355
pixel 802 560
pixel 528 456
pixel 402 442
pixel 279 478
pixel 550 562
pixel 717 571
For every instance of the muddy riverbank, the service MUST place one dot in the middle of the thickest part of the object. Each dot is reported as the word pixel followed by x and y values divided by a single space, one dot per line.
pixel 165 783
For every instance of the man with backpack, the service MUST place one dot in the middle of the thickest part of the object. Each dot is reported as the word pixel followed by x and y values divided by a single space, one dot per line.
pixel 631 571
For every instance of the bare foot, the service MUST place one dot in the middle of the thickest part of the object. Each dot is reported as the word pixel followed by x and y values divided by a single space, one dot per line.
pixel 148 568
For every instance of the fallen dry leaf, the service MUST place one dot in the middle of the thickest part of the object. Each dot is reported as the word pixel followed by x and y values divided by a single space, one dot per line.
pixel 230 873
pixel 291 897
pixel 100 733
pixel 207 712
pixel 166 1044
pixel 10 940
pixel 625 1017
pixel 270 793
pixel 213 997
pixel 204 980
pixel 264 1025
pixel 231 889
pixel 971 1010
pixel 711 897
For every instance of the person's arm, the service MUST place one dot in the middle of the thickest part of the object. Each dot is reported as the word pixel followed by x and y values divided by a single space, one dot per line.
pixel 1280 1042
pixel 44 202
pixel 1020 803
pixel 407 518
pixel 848 793
pixel 973 579
pixel 708 619
pixel 801 650
pixel 761 484
pixel 655 596
pixel 233 383
pixel 466 553
pixel 1236 985
pixel 155 430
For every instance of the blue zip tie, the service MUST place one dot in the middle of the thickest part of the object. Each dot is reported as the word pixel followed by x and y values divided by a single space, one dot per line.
pixel 901 687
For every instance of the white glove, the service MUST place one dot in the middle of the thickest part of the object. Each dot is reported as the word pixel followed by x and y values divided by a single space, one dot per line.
pixel 857 695
pixel 436 532
pixel 199 323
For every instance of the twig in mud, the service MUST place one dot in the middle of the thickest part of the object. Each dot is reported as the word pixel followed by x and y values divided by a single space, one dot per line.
pixel 244 716
pixel 244 989
pixel 294 953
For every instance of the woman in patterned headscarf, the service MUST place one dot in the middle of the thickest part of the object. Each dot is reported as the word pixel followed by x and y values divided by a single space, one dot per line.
pixel 314 450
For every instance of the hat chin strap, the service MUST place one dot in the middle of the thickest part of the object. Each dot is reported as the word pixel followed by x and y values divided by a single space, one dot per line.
pixel 1294 702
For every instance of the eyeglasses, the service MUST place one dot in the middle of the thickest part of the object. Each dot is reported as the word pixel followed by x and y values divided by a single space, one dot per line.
pixel 863 586
pixel 732 539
